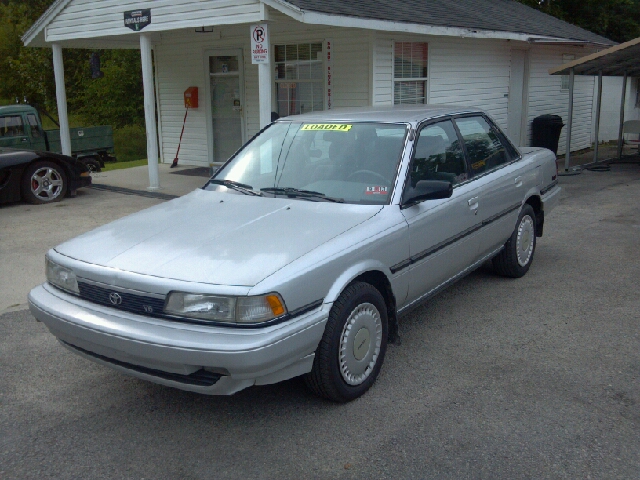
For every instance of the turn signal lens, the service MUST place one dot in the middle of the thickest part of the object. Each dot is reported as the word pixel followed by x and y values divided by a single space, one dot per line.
pixel 259 309
pixel 276 305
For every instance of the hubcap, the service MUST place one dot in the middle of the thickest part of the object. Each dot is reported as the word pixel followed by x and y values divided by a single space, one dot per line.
pixel 360 344
pixel 525 240
pixel 46 184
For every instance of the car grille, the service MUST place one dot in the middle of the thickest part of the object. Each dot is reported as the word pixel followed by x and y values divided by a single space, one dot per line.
pixel 129 302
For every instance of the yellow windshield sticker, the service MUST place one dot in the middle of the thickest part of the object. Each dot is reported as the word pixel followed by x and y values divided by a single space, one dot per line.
pixel 327 126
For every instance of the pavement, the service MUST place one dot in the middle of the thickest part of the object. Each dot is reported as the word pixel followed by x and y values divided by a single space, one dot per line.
pixel 494 378
pixel 176 181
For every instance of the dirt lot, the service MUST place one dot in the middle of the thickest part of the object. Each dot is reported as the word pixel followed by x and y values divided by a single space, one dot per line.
pixel 494 378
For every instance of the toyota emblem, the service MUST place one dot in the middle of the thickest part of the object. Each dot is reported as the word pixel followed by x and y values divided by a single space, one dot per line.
pixel 115 298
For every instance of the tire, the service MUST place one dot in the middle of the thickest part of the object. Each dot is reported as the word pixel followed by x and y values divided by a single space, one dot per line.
pixel 352 349
pixel 44 182
pixel 516 257
pixel 92 164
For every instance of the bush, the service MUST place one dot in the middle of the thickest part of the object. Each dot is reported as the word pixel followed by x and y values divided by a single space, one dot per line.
pixel 130 143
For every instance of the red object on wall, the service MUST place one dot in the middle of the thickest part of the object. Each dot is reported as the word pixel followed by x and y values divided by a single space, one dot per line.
pixel 191 97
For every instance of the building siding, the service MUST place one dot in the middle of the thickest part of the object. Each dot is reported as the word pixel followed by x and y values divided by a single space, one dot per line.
pixel 89 19
pixel 181 64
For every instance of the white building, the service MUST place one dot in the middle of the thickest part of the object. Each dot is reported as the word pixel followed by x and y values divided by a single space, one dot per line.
pixel 493 54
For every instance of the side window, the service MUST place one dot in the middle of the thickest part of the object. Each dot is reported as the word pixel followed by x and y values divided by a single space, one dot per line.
pixel 484 147
pixel 438 155
pixel 11 126
pixel 33 123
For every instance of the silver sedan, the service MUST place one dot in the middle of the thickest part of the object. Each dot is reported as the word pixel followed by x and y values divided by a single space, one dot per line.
pixel 299 256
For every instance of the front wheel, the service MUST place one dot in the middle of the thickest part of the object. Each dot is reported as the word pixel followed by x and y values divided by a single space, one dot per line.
pixel 352 349
pixel 516 257
pixel 44 182
pixel 92 164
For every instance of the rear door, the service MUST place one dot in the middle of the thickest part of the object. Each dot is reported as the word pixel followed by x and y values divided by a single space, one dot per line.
pixel 13 132
pixel 442 232
pixel 496 169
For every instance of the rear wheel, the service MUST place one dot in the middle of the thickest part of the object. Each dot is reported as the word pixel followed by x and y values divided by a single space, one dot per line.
pixel 516 257
pixel 352 349
pixel 44 182
pixel 92 164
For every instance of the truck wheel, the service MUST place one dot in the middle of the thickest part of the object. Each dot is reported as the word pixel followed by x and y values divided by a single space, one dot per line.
pixel 352 349
pixel 44 182
pixel 516 257
pixel 92 164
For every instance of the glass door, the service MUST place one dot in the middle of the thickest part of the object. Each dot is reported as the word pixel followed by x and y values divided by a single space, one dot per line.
pixel 226 105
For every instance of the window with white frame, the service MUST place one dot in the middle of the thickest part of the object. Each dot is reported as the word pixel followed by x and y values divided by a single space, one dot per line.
pixel 410 72
pixel 565 78
pixel 299 78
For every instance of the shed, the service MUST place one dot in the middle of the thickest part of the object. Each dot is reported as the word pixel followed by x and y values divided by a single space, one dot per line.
pixel 324 54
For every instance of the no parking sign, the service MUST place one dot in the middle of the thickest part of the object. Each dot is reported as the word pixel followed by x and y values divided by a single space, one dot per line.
pixel 259 43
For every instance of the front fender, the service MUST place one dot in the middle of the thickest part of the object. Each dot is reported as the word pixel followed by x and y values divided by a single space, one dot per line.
pixel 354 272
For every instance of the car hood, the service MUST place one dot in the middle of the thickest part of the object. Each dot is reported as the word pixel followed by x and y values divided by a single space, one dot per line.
pixel 216 238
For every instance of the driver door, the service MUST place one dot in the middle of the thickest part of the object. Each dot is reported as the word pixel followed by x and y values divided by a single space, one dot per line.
pixel 13 133
pixel 442 232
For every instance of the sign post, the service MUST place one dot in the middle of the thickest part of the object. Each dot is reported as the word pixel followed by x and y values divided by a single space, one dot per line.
pixel 261 56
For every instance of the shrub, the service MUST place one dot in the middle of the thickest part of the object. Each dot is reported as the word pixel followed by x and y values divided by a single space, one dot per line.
pixel 130 143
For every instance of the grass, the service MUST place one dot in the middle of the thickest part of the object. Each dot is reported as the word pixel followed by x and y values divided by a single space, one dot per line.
pixel 120 165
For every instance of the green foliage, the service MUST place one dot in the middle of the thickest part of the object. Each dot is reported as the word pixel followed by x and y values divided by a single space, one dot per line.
pixel 116 99
pixel 618 20
pixel 130 143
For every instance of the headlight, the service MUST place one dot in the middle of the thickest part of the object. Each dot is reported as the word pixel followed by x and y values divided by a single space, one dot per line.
pixel 243 310
pixel 61 277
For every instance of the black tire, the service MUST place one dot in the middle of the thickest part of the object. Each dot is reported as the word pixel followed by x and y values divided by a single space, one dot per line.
pixel 328 377
pixel 92 164
pixel 44 182
pixel 507 263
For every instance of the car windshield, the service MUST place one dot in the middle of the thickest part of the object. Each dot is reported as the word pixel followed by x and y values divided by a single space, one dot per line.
pixel 351 163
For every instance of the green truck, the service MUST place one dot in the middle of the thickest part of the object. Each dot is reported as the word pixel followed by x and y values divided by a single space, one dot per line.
pixel 21 127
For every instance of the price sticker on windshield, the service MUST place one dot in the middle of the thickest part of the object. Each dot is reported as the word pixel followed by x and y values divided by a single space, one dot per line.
pixel 377 191
pixel 327 126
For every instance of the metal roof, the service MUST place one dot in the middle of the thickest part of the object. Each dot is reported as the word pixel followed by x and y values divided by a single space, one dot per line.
pixel 612 62
pixel 492 15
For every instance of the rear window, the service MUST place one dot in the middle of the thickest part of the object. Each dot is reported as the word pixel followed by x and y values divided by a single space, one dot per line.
pixel 11 126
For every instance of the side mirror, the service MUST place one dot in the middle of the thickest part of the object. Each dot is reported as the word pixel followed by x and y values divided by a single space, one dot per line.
pixel 427 190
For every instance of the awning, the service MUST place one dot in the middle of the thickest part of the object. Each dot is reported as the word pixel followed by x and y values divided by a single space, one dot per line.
pixel 620 61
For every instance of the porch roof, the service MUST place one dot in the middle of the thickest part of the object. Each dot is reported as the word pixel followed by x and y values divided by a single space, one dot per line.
pixel 612 62
pixel 501 19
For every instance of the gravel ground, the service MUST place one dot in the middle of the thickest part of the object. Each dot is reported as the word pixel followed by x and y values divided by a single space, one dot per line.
pixel 494 378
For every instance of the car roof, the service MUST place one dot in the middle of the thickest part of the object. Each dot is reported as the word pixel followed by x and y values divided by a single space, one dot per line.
pixel 413 114
pixel 17 108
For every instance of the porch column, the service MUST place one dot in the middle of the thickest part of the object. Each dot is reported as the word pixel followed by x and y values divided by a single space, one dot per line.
pixel 598 109
pixel 622 105
pixel 149 111
pixel 264 92
pixel 567 155
pixel 61 98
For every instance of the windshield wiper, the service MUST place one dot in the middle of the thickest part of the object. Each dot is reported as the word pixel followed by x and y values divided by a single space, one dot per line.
pixel 240 187
pixel 296 192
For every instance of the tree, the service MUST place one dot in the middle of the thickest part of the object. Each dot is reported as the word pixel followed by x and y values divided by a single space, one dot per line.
pixel 618 20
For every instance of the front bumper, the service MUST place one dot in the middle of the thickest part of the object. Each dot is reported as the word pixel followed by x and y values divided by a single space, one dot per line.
pixel 177 354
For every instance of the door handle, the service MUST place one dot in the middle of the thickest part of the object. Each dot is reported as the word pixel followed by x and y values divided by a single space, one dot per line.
pixel 518 181
pixel 23 139
pixel 473 204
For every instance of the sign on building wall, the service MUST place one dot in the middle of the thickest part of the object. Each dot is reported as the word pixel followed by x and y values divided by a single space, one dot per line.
pixel 328 65
pixel 259 43
pixel 136 20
